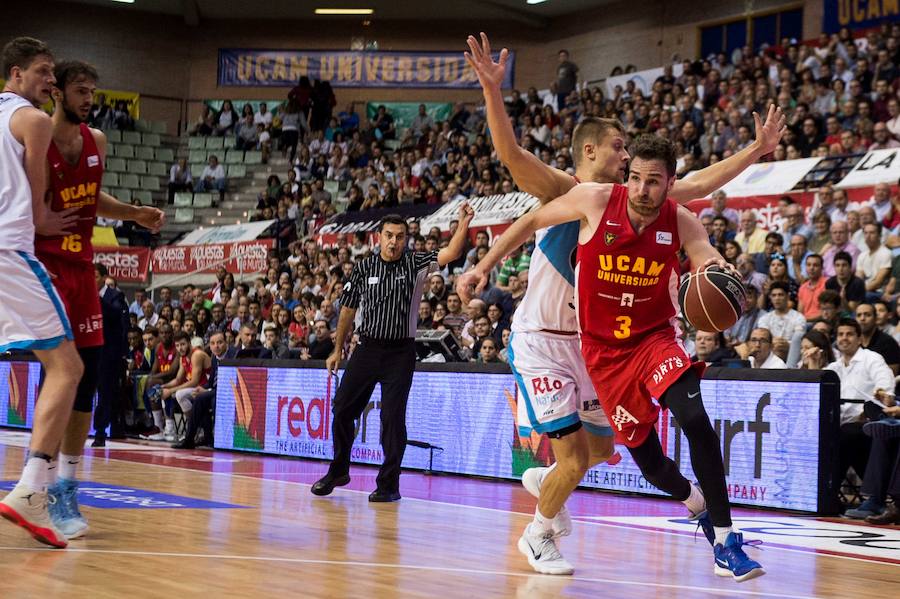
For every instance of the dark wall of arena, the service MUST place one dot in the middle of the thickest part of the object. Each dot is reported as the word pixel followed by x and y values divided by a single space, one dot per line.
pixel 168 61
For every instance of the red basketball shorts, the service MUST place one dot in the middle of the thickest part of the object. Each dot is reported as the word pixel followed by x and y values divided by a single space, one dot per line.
pixel 75 283
pixel 629 378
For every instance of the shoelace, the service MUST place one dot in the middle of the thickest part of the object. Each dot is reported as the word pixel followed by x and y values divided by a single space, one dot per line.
pixel 736 549
pixel 71 503
pixel 548 547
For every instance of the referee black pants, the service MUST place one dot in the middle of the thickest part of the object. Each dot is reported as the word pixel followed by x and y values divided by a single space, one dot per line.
pixel 390 363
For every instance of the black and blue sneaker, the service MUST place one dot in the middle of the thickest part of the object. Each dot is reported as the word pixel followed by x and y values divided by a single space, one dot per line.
pixel 731 560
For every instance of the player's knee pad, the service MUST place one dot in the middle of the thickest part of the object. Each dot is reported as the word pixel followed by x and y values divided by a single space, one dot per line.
pixel 87 386
pixel 684 401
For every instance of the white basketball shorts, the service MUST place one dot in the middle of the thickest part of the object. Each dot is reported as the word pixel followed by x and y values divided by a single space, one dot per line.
pixel 554 384
pixel 32 315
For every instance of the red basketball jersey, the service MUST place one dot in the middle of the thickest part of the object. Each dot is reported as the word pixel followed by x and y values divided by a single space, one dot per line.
pixel 74 186
pixel 166 357
pixel 627 283
pixel 189 367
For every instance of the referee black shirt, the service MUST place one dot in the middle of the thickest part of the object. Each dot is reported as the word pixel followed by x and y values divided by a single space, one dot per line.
pixel 389 292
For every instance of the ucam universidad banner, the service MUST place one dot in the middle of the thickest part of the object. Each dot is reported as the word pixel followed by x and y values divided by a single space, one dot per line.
pixel 858 14
pixel 774 441
pixel 283 68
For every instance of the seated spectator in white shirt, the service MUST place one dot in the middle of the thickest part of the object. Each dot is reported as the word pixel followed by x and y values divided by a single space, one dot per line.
pixel 263 116
pixel 761 354
pixel 786 324
pixel 213 177
pixel 864 376
pixel 180 179
pixel 421 122
pixel 873 265
pixel 150 317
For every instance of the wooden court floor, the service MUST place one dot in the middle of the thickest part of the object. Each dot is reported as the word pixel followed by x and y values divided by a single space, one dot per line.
pixel 267 536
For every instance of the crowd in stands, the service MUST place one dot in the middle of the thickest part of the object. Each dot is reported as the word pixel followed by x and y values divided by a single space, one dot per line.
pixel 823 282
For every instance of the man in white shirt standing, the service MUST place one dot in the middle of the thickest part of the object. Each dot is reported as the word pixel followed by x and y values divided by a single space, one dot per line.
pixel 864 376
pixel 761 355
pixel 786 325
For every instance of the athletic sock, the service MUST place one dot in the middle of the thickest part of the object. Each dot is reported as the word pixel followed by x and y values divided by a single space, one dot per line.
pixel 722 533
pixel 170 423
pixel 158 419
pixel 34 475
pixel 52 471
pixel 541 523
pixel 68 466
pixel 695 502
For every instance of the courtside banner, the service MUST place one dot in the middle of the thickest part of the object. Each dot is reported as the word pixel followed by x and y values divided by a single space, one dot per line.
pixel 244 257
pixel 283 68
pixel 771 431
pixel 125 264
pixel 878 166
pixel 767 178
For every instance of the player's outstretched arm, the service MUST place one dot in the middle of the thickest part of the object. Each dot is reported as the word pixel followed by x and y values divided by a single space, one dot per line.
pixel 529 173
pixel 146 216
pixel 571 206
pixel 713 177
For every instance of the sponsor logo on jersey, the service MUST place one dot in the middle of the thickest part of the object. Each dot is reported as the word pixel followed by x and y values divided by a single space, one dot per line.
pixel 93 161
pixel 623 270
pixel 664 238
pixel 623 417
pixel 672 364
pixel 609 238
pixel 627 300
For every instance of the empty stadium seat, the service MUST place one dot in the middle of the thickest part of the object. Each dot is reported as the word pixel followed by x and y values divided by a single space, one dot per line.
pixel 110 179
pixel 121 194
pixel 234 157
pixel 142 125
pixel 144 153
pixel 150 183
pixel 183 199
pixel 203 200
pixel 138 167
pixel 236 171
pixel 215 143
pixel 332 187
pixel 253 157
pixel 159 127
pixel 124 151
pixel 197 156
pixel 196 143
pixel 157 168
pixel 144 196
pixel 197 170
pixel 166 155
pixel 116 165
pixel 151 139
pixel 131 137
pixel 130 181
pixel 184 215
pixel 114 136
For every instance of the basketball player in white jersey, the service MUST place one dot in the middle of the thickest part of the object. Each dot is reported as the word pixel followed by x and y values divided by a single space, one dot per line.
pixel 544 352
pixel 32 316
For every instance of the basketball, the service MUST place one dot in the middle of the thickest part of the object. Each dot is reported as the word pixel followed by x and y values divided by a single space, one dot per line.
pixel 711 299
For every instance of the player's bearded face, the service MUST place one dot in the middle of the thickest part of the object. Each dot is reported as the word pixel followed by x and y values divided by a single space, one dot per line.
pixel 77 99
pixel 648 186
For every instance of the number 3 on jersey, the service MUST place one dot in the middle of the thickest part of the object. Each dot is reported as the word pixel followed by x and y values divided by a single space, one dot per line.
pixel 72 243
pixel 624 331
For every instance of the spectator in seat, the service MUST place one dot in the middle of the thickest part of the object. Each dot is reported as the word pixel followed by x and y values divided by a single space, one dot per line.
pixel 180 179
pixel 213 177
pixel 227 120
pixel 883 139
pixel 864 375
pixel 273 348
pixel 761 354
pixel 203 398
pixel 149 315
pixel 488 353
pixel 136 307
pixel 246 133
pixel 421 122
pixel 437 289
pixel 737 336
pixel 383 124
pixel 850 288
pixel 323 345
pixel 745 265
pixel 815 350
pixel 882 477
pixel 786 324
pixel 808 294
pixel 773 245
pixel 718 207
pixel 425 315
pixel 751 238
pixel 876 340
pixel 247 341
pixel 263 116
pixel 840 242
pixel 710 349
pixel 873 265
pixel 796 259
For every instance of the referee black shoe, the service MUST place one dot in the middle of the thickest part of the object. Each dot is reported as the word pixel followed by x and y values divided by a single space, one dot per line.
pixel 377 496
pixel 326 484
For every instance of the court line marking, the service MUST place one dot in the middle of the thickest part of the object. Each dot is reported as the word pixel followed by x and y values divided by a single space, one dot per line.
pixel 297 560
pixel 656 530
pixel 676 533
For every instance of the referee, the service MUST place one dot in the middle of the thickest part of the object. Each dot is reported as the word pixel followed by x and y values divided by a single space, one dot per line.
pixel 390 287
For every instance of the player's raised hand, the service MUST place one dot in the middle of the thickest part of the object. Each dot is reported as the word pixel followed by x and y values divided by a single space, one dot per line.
pixel 151 218
pixel 768 134
pixel 490 73
pixel 466 282
pixel 57 223
pixel 466 214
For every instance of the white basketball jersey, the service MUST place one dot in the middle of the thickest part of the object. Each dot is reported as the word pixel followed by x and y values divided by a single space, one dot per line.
pixel 549 301
pixel 17 226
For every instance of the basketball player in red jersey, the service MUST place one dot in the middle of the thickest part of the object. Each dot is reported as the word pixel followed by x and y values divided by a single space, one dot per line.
pixel 600 154
pixel 193 374
pixel 627 277
pixel 76 157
